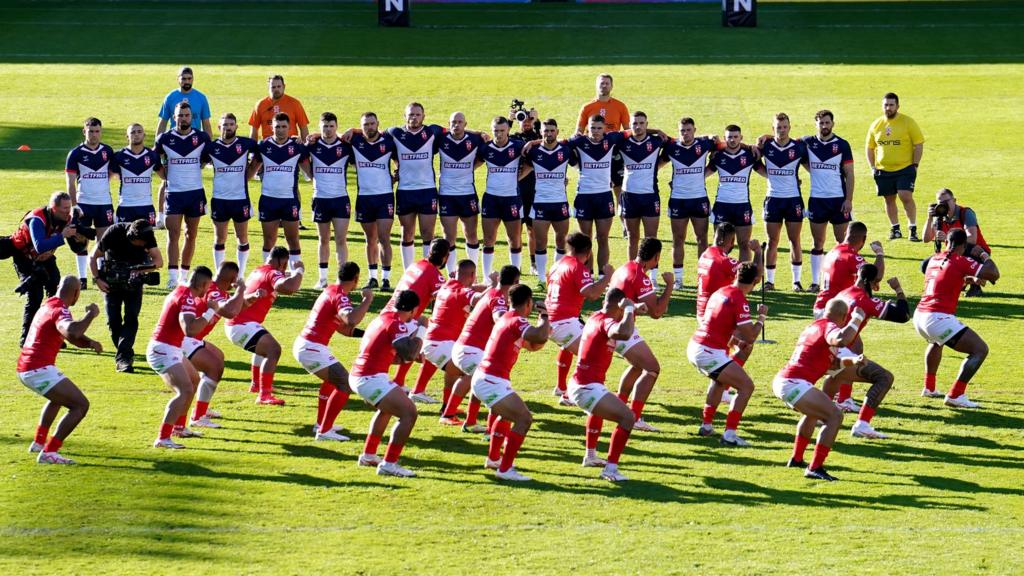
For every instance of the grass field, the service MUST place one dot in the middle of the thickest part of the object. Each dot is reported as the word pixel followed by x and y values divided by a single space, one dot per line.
pixel 943 495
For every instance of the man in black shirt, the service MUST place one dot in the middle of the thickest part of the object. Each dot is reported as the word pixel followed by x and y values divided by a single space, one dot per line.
pixel 529 130
pixel 124 252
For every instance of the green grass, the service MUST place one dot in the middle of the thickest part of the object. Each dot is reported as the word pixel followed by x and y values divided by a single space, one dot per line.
pixel 258 496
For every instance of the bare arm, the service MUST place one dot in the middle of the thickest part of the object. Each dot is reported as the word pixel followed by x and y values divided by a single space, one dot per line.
pixel 354 316
pixel 406 349
pixel 596 290
pixel 254 167
pixel 206 126
pixel 918 153
pixel 232 306
pixel 538 334
pixel 291 283
pixel 74 331
pixel 848 172
pixel 876 247
pixel 71 185
pixel 161 127
pixel 623 329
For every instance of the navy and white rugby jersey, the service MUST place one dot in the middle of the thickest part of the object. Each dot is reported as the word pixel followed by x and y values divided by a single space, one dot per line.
pixel 373 164
pixel 92 168
pixel 458 160
pixel 136 176
pixel 825 160
pixel 640 164
pixel 184 156
pixel 594 160
pixel 281 167
pixel 330 165
pixel 502 164
pixel 688 163
pixel 415 152
pixel 229 160
pixel 733 175
pixel 550 167
pixel 781 164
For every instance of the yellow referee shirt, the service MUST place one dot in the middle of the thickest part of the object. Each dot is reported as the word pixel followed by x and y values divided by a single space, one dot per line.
pixel 893 141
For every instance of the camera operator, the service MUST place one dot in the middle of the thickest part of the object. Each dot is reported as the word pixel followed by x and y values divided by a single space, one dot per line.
pixel 123 262
pixel 41 232
pixel 946 215
pixel 528 123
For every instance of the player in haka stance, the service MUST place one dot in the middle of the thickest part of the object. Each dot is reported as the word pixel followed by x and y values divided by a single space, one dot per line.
pixel 391 336
pixel 935 320
pixel 612 323
pixel 511 417
pixel 794 384
pixel 726 323
pixel 332 313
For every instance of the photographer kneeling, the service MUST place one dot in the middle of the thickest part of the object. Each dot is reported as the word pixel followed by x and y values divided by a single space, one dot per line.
pixel 123 262
pixel 946 215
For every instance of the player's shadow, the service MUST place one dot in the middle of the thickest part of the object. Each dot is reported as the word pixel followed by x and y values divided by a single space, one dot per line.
pixel 962 486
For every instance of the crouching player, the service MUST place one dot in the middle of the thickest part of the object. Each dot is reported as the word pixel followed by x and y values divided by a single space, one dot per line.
pixel 794 384
pixel 612 323
pixel 390 337
pixel 511 417
pixel 52 325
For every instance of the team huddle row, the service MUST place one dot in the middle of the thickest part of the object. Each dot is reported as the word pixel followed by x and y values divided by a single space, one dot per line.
pixel 475 332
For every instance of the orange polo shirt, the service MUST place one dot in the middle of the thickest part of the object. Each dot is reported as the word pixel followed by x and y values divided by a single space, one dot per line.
pixel 263 115
pixel 616 115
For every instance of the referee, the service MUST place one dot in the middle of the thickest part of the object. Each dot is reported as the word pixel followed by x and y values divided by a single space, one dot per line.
pixel 894 148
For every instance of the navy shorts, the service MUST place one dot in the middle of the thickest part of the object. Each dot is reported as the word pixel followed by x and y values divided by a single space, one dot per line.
pixel 327 209
pixel 463 205
pixel 888 183
pixel 597 206
pixel 190 204
pixel 733 213
pixel 618 169
pixel 830 210
pixel 223 210
pixel 550 211
pixel 416 201
pixel 679 208
pixel 278 209
pixel 784 209
pixel 133 213
pixel 375 207
pixel 96 215
pixel 639 205
pixel 504 208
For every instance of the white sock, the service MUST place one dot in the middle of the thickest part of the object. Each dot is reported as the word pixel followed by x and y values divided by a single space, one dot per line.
pixel 385 274
pixel 293 259
pixel 797 272
pixel 83 265
pixel 453 260
pixel 218 258
pixel 207 386
pixel 516 258
pixel 473 253
pixel 257 360
pixel 323 273
pixel 912 223
pixel 408 255
pixel 678 273
pixel 160 217
pixel 816 267
pixel 653 275
pixel 729 435
pixel 266 256
pixel 426 249
pixel 770 274
pixel 591 453
pixel 488 263
pixel 172 275
pixel 542 266
pixel 373 273
pixel 243 259
pixel 559 254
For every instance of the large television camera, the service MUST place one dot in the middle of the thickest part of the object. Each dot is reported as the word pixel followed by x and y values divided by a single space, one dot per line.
pixel 129 276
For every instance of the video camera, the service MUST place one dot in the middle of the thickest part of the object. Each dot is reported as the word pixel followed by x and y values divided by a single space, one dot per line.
pixel 129 276
pixel 519 111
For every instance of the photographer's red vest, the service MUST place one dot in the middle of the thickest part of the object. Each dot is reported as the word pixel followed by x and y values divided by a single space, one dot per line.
pixel 959 223
pixel 22 237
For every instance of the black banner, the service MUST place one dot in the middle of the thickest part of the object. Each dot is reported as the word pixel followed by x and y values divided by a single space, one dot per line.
pixel 739 13
pixel 393 12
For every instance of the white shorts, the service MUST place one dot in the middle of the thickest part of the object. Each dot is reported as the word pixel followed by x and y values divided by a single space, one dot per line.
pixel 818 313
pixel 586 396
pixel 707 360
pixel 190 346
pixel 937 327
pixel 467 358
pixel 565 332
pixel 41 380
pixel 790 390
pixel 371 388
pixel 241 334
pixel 623 346
pixel 162 357
pixel 438 353
pixel 490 389
pixel 312 356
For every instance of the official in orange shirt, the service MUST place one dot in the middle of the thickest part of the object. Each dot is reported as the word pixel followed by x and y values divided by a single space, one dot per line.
pixel 616 117
pixel 262 117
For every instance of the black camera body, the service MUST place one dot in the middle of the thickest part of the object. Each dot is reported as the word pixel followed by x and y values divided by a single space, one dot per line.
pixel 940 210
pixel 129 276
pixel 519 111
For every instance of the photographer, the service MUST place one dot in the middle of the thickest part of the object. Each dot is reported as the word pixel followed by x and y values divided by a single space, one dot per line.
pixel 528 123
pixel 31 248
pixel 946 215
pixel 122 263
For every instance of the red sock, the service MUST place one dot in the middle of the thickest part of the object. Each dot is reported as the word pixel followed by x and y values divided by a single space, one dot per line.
pixel 820 453
pixel 732 420
pixel 491 419
pixel 618 443
pixel 426 373
pixel 929 382
pixel 393 452
pixel 800 446
pixel 180 422
pixel 403 369
pixel 326 388
pixel 165 430
pixel 498 432
pixel 739 361
pixel 959 387
pixel 452 406
pixel 334 406
pixel 266 384
pixel 446 393
pixel 473 411
pixel 624 397
pixel 866 413
pixel 564 362
pixel 372 442
pixel 53 444
pixel 709 413
pixel 845 391
pixel 256 375
pixel 41 433
pixel 594 425
pixel 638 408
pixel 200 411
pixel 512 443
